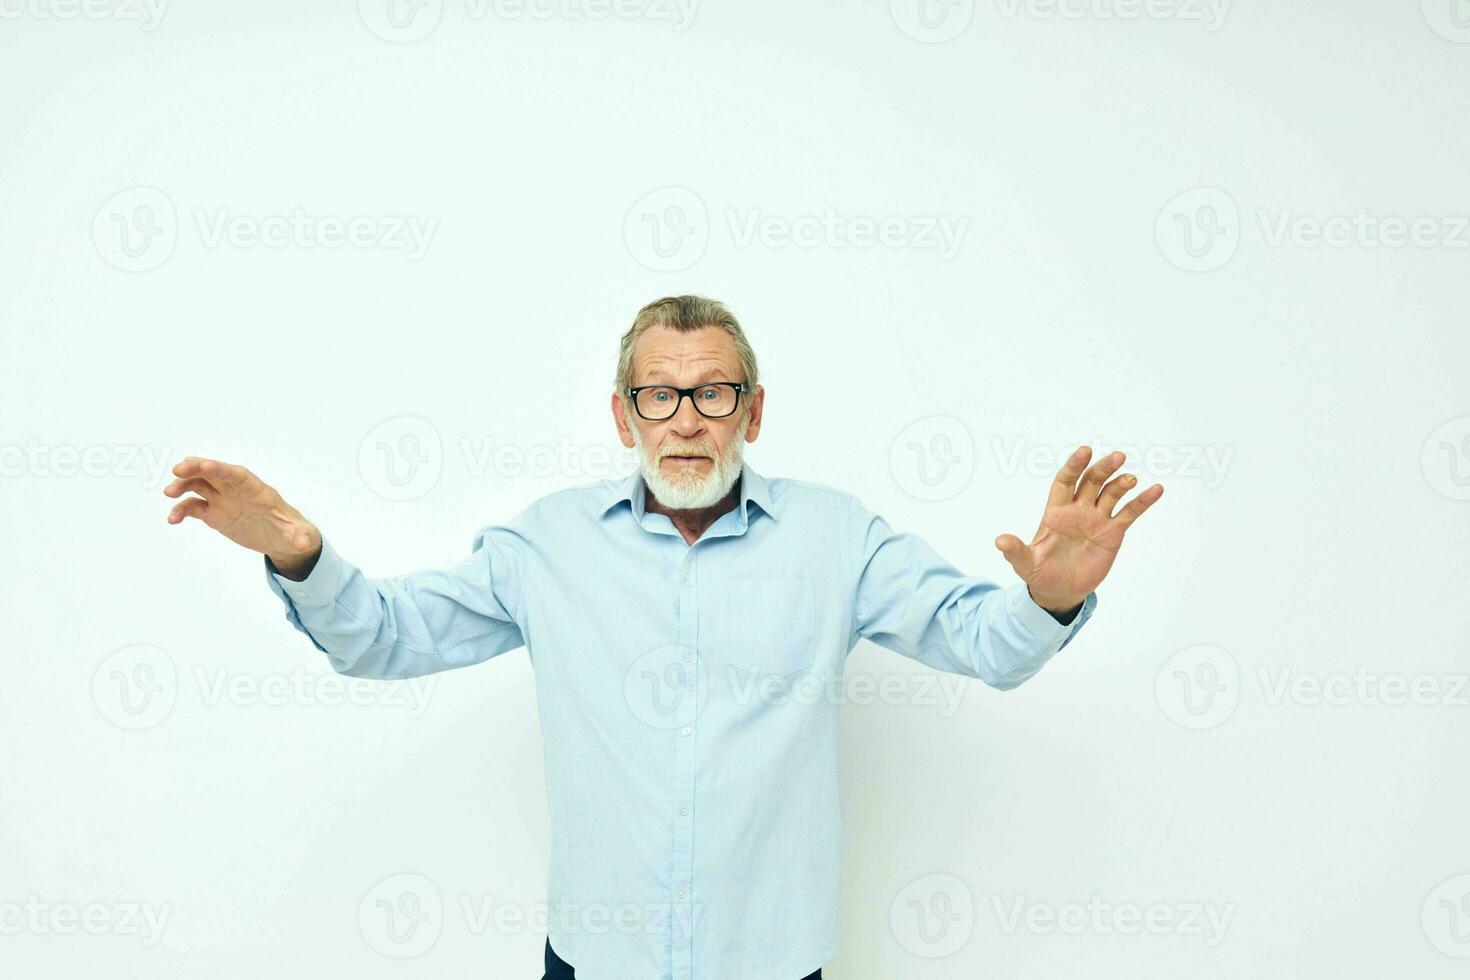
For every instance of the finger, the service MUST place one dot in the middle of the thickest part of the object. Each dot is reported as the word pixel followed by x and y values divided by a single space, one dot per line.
pixel 1138 505
pixel 219 472
pixel 195 466
pixel 198 485
pixel 1093 480
pixel 1113 492
pixel 1017 552
pixel 188 466
pixel 188 507
pixel 1064 487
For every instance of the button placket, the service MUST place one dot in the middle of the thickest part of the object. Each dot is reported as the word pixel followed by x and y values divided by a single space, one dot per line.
pixel 685 745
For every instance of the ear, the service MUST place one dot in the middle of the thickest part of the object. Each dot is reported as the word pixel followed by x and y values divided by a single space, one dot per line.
pixel 757 406
pixel 620 419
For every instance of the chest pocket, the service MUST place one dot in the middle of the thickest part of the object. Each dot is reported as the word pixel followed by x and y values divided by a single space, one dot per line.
pixel 770 624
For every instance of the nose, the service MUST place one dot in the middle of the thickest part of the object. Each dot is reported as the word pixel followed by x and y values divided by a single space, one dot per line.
pixel 686 420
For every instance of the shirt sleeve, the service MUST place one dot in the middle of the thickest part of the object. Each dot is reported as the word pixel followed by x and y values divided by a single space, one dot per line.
pixel 409 625
pixel 913 602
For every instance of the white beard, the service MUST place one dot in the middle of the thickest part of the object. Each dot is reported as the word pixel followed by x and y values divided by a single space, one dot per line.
pixel 692 491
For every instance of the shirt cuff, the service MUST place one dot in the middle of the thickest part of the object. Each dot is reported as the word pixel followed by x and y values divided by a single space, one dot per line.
pixel 1042 624
pixel 318 589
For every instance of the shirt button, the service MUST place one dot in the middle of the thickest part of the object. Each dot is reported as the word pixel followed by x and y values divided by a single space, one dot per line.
pixel 688 657
pixel 686 730
pixel 679 894
pixel 683 811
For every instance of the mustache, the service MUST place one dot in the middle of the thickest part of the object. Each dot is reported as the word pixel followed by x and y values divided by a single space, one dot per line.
pixel 691 450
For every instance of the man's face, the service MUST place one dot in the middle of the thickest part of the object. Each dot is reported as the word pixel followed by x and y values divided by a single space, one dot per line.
pixel 688 459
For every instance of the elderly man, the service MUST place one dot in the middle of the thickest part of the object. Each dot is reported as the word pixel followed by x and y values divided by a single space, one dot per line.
pixel 677 622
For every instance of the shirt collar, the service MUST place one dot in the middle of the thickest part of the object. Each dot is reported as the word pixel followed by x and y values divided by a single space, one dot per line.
pixel 753 490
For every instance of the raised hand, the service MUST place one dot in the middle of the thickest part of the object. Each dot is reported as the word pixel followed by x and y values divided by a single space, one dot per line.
pixel 1080 533
pixel 239 505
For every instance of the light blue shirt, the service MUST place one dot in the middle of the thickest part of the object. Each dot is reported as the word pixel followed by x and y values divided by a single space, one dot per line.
pixel 689 698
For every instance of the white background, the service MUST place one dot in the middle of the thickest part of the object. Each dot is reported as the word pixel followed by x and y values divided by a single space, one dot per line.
pixel 1156 762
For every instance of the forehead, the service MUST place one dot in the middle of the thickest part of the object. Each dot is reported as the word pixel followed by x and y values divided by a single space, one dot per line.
pixel 663 354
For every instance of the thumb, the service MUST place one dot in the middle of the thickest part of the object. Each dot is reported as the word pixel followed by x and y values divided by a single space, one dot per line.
pixel 1016 552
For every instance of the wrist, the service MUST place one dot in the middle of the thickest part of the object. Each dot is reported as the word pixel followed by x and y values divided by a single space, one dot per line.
pixel 1057 605
pixel 295 567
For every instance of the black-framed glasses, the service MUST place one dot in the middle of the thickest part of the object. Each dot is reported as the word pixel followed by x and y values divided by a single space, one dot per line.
pixel 714 400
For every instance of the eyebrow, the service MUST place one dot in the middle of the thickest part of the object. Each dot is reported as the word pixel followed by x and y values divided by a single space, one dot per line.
pixel 660 377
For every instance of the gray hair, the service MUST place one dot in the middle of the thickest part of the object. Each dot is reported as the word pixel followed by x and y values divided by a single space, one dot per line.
pixel 685 314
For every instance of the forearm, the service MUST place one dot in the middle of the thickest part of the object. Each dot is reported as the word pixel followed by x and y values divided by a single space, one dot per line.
pixel 1011 636
pixel 399 627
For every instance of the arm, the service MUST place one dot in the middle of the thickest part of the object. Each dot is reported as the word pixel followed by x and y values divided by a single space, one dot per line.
pixel 913 602
pixel 413 624
pixel 384 628
pixel 910 600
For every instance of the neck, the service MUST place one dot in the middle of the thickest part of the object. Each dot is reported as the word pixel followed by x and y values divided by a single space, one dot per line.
pixel 693 523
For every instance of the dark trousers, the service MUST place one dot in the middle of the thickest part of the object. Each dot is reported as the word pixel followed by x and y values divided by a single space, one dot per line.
pixel 559 969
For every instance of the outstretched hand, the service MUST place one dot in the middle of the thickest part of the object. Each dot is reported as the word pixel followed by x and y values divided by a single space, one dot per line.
pixel 1080 532
pixel 242 507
